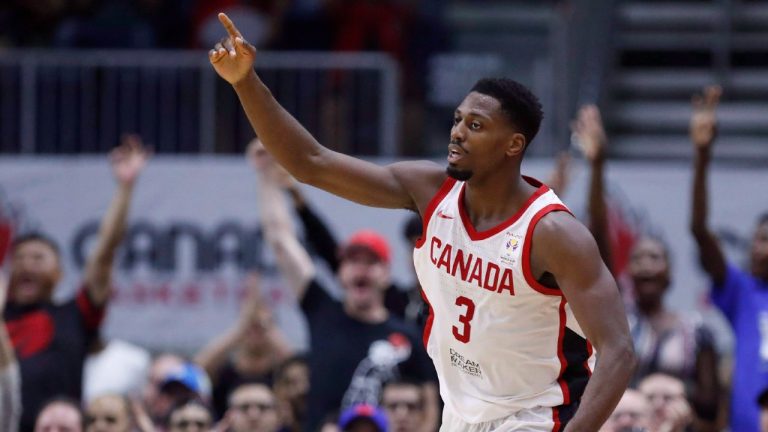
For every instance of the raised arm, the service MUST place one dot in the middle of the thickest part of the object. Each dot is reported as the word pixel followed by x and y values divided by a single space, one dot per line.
pixel 10 378
pixel 563 247
pixel 127 160
pixel 214 355
pixel 703 131
pixel 294 262
pixel 402 185
pixel 588 129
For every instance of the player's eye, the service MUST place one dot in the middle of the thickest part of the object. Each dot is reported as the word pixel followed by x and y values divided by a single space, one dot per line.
pixel 475 125
pixel 456 120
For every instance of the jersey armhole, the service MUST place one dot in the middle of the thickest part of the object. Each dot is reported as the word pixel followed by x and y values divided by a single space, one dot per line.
pixel 431 207
pixel 528 244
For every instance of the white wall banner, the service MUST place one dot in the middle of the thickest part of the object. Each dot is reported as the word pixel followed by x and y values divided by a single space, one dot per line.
pixel 194 235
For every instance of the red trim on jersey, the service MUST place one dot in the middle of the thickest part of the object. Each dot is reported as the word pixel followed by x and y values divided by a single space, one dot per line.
pixel 528 243
pixel 430 210
pixel 590 350
pixel 482 235
pixel 428 324
pixel 561 354
pixel 556 419
pixel 92 314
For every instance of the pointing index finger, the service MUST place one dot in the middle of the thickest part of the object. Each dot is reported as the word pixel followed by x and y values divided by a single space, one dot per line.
pixel 229 25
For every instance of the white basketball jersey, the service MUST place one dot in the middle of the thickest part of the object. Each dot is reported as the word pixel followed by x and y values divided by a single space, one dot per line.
pixel 501 342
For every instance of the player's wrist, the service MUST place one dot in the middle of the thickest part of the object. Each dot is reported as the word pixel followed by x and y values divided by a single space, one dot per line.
pixel 249 78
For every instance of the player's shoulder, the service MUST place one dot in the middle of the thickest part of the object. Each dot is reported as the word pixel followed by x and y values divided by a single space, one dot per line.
pixel 421 178
pixel 560 227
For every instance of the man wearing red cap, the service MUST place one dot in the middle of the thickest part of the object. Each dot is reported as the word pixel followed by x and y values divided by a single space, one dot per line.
pixel 521 299
pixel 356 345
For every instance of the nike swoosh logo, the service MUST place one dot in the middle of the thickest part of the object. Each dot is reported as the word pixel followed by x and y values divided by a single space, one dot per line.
pixel 440 214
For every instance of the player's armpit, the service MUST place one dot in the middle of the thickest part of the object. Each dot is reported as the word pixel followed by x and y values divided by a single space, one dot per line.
pixel 563 247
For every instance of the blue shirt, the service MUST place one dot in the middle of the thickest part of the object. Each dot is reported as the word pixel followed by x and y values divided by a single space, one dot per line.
pixel 744 301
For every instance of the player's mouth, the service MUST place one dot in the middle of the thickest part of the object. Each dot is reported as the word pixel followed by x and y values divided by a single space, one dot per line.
pixel 455 152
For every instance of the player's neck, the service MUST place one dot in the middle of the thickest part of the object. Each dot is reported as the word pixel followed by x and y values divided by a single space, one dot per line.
pixel 489 203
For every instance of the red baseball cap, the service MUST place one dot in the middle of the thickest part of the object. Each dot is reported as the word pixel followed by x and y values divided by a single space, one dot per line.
pixel 369 240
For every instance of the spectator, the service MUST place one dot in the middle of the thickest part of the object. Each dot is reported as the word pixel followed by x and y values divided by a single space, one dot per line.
pixel 291 390
pixel 60 415
pixel 363 418
pixel 253 408
pixel 739 294
pixel 109 413
pixel 665 341
pixel 632 414
pixel 10 382
pixel 157 405
pixel 182 384
pixel 762 403
pixel 249 352
pixel 190 416
pixel 52 340
pixel 670 411
pixel 405 303
pixel 403 402
pixel 369 346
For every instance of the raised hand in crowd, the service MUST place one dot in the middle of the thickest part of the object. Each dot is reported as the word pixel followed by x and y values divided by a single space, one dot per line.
pixel 703 127
pixel 590 138
pixel 128 161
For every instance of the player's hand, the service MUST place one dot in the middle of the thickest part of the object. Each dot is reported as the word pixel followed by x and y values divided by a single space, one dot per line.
pixel 589 133
pixel 233 57
pixel 128 159
pixel 703 128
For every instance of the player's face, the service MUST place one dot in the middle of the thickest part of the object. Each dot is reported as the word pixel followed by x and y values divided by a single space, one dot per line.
pixel 404 407
pixel 107 414
pixel 649 269
pixel 481 138
pixel 364 278
pixel 253 409
pixel 759 252
pixel 34 272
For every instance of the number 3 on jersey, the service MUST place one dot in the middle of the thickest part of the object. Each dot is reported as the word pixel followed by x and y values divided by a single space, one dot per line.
pixel 462 335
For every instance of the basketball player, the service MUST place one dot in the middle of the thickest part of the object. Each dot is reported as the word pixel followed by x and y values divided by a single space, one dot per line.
pixel 518 293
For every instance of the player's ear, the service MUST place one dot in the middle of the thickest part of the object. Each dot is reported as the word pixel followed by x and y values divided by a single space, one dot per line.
pixel 516 144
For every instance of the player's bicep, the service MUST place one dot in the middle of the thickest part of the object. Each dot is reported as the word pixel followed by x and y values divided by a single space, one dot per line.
pixel 391 186
pixel 570 254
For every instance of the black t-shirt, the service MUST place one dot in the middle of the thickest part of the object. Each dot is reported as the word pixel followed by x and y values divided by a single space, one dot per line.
pixel 51 343
pixel 351 360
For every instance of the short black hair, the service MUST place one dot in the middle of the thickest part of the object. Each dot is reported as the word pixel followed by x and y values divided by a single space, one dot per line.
pixel 763 218
pixel 520 105
pixel 38 237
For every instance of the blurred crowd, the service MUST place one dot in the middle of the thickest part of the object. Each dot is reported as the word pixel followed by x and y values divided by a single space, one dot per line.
pixel 366 369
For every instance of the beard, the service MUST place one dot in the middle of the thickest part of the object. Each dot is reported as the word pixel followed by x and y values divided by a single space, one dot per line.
pixel 458 174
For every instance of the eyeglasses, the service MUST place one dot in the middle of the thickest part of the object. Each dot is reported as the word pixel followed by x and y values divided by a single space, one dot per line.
pixel 409 406
pixel 246 406
pixel 184 424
